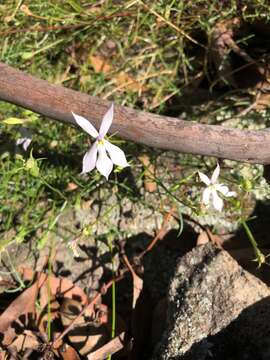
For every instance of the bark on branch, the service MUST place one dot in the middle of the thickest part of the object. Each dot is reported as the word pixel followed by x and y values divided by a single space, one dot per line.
pixel 57 102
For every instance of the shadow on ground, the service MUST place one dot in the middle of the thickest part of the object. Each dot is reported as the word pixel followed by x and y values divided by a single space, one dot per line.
pixel 246 338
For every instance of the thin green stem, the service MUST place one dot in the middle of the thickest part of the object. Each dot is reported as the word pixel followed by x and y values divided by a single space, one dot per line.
pixel 113 308
pixel 113 293
pixel 260 258
pixel 16 274
pixel 52 188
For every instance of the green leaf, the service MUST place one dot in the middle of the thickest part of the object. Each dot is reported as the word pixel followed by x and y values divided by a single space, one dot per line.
pixel 27 55
pixel 21 236
pixel 247 185
pixel 77 7
pixel 30 115
pixel 13 121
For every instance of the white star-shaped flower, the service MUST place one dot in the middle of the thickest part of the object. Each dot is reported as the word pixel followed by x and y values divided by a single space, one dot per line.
pixel 97 156
pixel 25 140
pixel 210 193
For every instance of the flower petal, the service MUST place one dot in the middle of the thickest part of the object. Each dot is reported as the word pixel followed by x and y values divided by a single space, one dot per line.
pixel 106 122
pixel 215 174
pixel 231 193
pixel 205 179
pixel 206 196
pixel 85 125
pixel 90 159
pixel 217 201
pixel 20 141
pixel 222 188
pixel 104 164
pixel 225 190
pixel 116 154
pixel 26 144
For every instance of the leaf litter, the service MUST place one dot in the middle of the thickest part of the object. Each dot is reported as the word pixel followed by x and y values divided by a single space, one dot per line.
pixel 55 304
pixel 55 319
pixel 122 79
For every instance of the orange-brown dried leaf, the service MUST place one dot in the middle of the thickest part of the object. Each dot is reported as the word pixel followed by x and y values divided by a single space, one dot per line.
pixel 123 80
pixel 71 186
pixel 24 304
pixel 99 64
pixel 137 288
pixel 90 330
pixel 3 355
pixel 27 340
pixel 202 238
pixel 57 286
pixel 68 353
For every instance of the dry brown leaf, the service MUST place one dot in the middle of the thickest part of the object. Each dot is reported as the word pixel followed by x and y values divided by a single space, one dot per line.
pixel 215 239
pixel 58 286
pixel 87 333
pixel 68 353
pixel 108 349
pixel 86 204
pixel 137 282
pixel 137 288
pixel 71 186
pixel 26 340
pixel 263 101
pixel 24 304
pixel 3 355
pixel 50 289
pixel 69 310
pixel 149 184
pixel 90 331
pixel 203 238
pixel 99 64
pixel 122 79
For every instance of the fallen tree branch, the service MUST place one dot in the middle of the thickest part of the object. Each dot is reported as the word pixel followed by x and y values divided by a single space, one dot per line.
pixel 57 102
pixel 113 346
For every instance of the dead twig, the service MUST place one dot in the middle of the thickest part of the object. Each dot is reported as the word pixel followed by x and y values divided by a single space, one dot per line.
pixel 108 349
pixel 160 234
pixel 57 102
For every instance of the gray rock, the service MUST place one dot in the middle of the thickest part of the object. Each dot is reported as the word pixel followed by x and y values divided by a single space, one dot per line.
pixel 216 310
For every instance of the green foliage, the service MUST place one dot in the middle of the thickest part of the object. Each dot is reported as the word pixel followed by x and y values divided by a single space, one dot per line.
pixel 161 46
